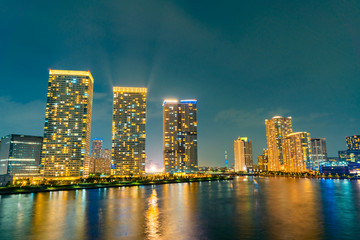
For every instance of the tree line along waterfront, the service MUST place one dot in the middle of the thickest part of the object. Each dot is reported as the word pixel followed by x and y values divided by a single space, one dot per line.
pixel 45 185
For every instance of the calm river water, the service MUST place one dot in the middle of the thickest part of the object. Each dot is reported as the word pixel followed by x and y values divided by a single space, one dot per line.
pixel 243 208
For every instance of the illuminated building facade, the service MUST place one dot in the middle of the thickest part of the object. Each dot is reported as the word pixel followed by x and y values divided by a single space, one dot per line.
pixel 129 131
pixel 352 154
pixel 349 156
pixel 100 159
pixel 318 153
pixel 66 145
pixel 297 152
pixel 353 143
pixel 101 164
pixel 96 147
pixel 263 161
pixel 243 157
pixel 20 155
pixel 180 136
pixel 277 129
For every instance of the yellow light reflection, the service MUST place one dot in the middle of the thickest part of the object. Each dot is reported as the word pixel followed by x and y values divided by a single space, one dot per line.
pixel 152 217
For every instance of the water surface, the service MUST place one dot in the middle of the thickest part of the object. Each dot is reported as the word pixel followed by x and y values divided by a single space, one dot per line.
pixel 243 208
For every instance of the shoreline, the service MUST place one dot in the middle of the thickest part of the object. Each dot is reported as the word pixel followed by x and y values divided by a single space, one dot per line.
pixel 82 186
pixel 300 176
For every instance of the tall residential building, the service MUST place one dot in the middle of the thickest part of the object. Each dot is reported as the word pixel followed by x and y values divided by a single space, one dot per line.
pixel 20 155
pixel 297 152
pixel 180 136
pixel 277 129
pixel 66 145
pixel 129 131
pixel 96 147
pixel 318 153
pixel 243 157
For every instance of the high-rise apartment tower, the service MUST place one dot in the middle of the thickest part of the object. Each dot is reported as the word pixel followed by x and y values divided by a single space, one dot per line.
pixel 129 131
pixel 296 150
pixel 180 136
pixel 277 128
pixel 66 145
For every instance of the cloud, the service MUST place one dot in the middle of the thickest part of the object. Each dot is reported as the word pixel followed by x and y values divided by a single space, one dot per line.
pixel 312 117
pixel 21 118
pixel 250 118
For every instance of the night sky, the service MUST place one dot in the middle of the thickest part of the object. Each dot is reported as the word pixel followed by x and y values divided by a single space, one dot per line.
pixel 244 62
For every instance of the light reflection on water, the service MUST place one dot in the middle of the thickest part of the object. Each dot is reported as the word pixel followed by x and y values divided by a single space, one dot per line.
pixel 258 208
pixel 152 217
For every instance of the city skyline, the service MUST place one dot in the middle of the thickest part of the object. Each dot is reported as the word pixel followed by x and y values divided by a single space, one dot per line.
pixel 225 61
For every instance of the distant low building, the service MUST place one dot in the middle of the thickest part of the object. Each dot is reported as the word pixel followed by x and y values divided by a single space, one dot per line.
pixel 20 155
pixel 354 168
pixel 5 179
pixel 102 163
pixel 349 156
pixel 353 143
pixel 352 153
pixel 332 159
pixel 263 161
pixel 333 170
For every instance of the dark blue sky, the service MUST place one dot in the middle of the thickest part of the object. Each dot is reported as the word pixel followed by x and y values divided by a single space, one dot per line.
pixel 243 61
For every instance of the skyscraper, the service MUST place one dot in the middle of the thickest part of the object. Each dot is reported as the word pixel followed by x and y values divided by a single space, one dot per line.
pixel 296 150
pixel 129 131
pixel 180 136
pixel 66 145
pixel 318 153
pixel 276 130
pixel 96 147
pixel 243 156
pixel 20 155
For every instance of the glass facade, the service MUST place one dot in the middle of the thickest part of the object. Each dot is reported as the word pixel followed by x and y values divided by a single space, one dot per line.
pixel 128 131
pixel 20 155
pixel 180 136
pixel 66 145
pixel 318 153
